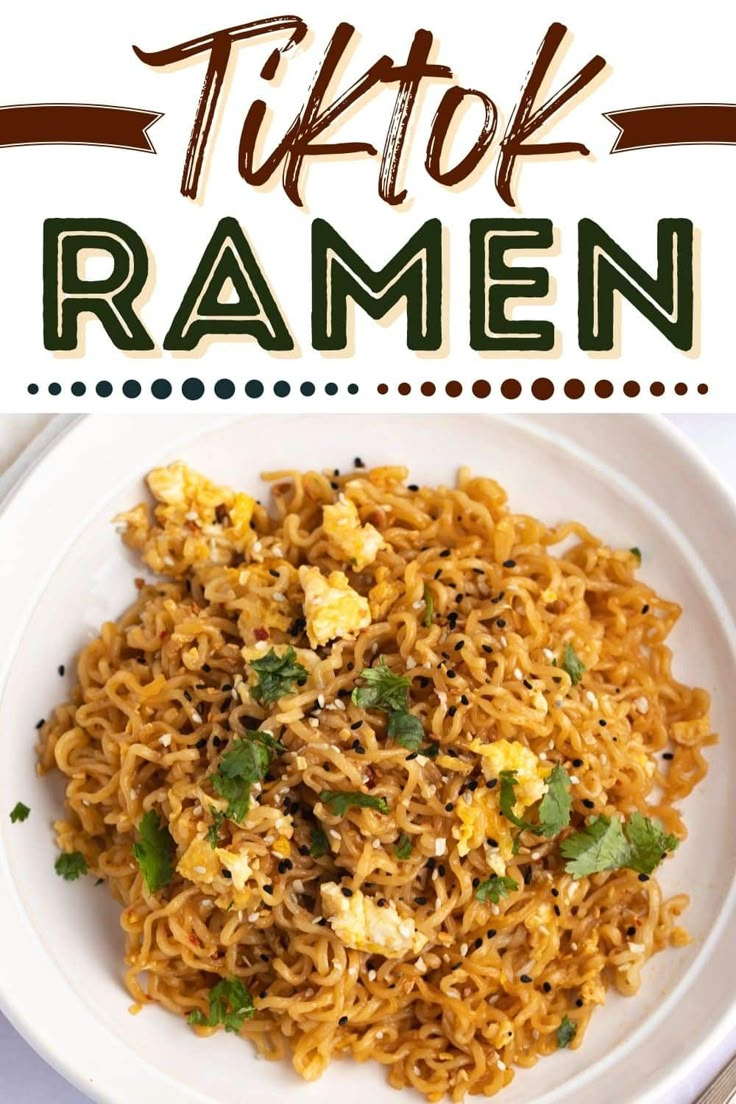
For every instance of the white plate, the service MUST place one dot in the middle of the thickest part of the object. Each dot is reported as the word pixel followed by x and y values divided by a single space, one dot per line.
pixel 631 479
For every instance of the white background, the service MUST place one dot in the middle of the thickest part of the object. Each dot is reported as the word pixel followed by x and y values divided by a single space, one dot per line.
pixel 84 55
pixel 26 1079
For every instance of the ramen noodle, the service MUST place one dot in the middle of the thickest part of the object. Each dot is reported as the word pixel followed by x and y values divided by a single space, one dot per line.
pixel 383 770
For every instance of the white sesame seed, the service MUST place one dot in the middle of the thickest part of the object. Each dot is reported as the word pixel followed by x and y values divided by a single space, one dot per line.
pixel 372 975
pixel 165 740
pixel 278 596
pixel 463 949
pixel 548 653
pixel 207 904
pixel 575 780
pixel 536 855
pixel 376 845
pixel 196 717
pixel 501 1065
pixel 642 706
pixel 418 605
pixel 257 546
pixel 335 834
pixel 518 673
pixel 321 701
pixel 591 697
pixel 253 917
pixel 200 870
pixel 339 704
pixel 440 846
pixel 637 948
pixel 314 722
pixel 411 663
pixel 542 755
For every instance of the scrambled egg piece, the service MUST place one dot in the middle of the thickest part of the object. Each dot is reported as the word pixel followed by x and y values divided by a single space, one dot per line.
pixel 195 521
pixel 505 755
pixel 204 866
pixel 331 606
pixel 384 594
pixel 359 544
pixel 480 818
pixel 362 925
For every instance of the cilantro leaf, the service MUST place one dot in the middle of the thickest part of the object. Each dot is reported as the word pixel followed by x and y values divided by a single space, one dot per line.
pixel 153 851
pixel 246 761
pixel 507 800
pixel 495 888
pixel 384 689
pixel 600 846
pixel 20 813
pixel 402 847
pixel 572 664
pixel 406 730
pixel 277 675
pixel 231 1004
pixel 566 1032
pixel 70 865
pixel 649 844
pixel 429 603
pixel 554 811
pixel 340 801
pixel 213 832
pixel 319 843
pixel 636 552
pixel 607 844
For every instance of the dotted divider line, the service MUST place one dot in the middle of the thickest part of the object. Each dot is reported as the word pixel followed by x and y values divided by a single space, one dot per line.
pixel 543 389
pixel 194 389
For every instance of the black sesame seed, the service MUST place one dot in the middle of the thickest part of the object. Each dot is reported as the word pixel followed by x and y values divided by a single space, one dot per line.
pixel 478 943
pixel 460 645
pixel 588 803
pixel 449 807
pixel 643 877
pixel 577 762
pixel 273 573
pixel 347 892
pixel 603 723
pixel 492 783
pixel 631 931
pixel 358 463
pixel 490 934
pixel 217 741
pixel 441 870
pixel 381 902
pixel 525 978
pixel 645 609
pixel 226 687
pixel 431 863
pixel 476 883
pixel 555 893
pixel 452 711
pixel 492 842
pixel 557 910
pixel 501 623
pixel 41 723
pixel 187 695
pixel 200 744
pixel 487 649
pixel 464 700
pixel 509 563
pixel 528 875
pixel 360 750
pixel 456 966
pixel 264 958
pixel 264 994
pixel 421 900
pixel 579 1002
pixel 283 866
pixel 335 486
pixel 342 1021
pixel 444 555
pixel 437 573
pixel 356 726
pixel 61 669
pixel 322 922
pixel 268 889
pixel 459 598
pixel 206 668
pixel 226 874
pixel 412 755
pixel 547 987
pixel 473 785
pixel 528 684
pixel 668 755
pixel 451 674
pixel 412 487
pixel 304 850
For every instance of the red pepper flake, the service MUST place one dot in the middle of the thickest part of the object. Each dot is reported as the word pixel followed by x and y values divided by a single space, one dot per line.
pixel 194 940
pixel 260 634
pixel 140 583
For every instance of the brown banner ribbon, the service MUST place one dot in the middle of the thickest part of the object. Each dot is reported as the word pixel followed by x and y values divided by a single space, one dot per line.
pixel 77 124
pixel 673 125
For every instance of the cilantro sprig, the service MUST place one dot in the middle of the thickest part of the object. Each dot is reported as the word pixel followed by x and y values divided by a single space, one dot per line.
pixel 213 832
pixel 231 1004
pixel 566 1032
pixel 607 843
pixel 554 809
pixel 496 887
pixel 339 801
pixel 386 690
pixel 277 675
pixel 572 664
pixel 245 762
pixel 403 846
pixel 20 813
pixel 70 865
pixel 154 851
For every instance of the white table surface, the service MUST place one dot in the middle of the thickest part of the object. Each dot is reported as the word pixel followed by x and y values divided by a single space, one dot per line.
pixel 25 1078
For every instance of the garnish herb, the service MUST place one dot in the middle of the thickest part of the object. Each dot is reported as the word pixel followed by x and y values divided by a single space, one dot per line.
pixel 277 675
pixel 230 1006
pixel 406 730
pixel 636 552
pixel 572 664
pixel 495 888
pixel 319 843
pixel 383 689
pixel 20 813
pixel 388 691
pixel 402 847
pixel 153 851
pixel 246 762
pixel 340 801
pixel 213 832
pixel 566 1032
pixel 429 603
pixel 70 865
pixel 554 809
pixel 608 844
